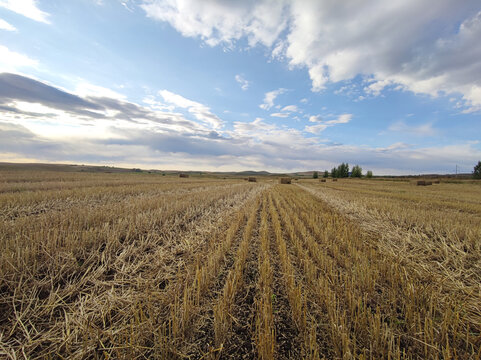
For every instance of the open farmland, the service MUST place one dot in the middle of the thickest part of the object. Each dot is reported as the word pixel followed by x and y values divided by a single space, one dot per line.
pixel 137 265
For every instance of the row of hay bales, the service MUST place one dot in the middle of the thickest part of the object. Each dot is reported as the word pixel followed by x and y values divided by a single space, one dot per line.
pixel 284 180
pixel 426 182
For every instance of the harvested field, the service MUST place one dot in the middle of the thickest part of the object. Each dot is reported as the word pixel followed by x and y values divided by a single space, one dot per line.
pixel 149 266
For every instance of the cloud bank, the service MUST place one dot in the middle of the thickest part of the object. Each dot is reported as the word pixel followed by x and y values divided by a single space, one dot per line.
pixel 416 45
pixel 27 8
pixel 39 122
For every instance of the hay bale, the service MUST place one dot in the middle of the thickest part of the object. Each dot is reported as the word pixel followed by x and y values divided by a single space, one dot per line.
pixel 334 179
pixel 322 180
pixel 424 183
pixel 182 175
pixel 285 180
pixel 252 179
pixel 436 182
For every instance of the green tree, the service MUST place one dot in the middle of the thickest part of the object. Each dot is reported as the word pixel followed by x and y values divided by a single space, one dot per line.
pixel 369 174
pixel 326 174
pixel 477 171
pixel 315 175
pixel 356 171
pixel 343 170
pixel 334 172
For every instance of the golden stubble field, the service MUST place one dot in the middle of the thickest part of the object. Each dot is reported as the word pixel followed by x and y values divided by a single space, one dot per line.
pixel 147 266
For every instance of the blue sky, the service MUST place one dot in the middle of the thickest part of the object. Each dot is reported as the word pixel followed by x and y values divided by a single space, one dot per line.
pixel 262 85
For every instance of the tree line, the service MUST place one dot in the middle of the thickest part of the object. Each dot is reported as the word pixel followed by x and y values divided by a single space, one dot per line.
pixel 342 171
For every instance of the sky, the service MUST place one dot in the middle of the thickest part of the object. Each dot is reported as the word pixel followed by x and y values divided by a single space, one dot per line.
pixel 222 85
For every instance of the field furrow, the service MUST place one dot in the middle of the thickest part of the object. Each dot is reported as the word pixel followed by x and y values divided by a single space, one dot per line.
pixel 234 318
pixel 287 297
pixel 265 330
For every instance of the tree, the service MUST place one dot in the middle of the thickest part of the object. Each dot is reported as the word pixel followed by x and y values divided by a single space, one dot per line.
pixel 369 174
pixel 326 174
pixel 315 175
pixel 356 171
pixel 477 171
pixel 334 172
pixel 343 170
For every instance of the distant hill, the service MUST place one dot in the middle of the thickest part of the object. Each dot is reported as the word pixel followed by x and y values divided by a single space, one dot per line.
pixel 6 166
pixel 251 173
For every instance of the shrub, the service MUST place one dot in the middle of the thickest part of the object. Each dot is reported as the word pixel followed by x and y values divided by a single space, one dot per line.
pixel 315 175
pixel 369 174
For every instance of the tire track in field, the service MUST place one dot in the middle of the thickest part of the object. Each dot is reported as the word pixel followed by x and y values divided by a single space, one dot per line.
pixel 215 319
pixel 234 317
pixel 309 271
pixel 288 342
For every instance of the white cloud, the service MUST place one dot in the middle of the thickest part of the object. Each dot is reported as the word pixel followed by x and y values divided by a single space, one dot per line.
pixel 341 119
pixel 225 22
pixel 290 108
pixel 423 57
pixel 12 61
pixel 27 8
pixel 244 84
pixel 85 89
pixel 269 98
pixel 304 101
pixel 395 146
pixel 322 124
pixel 280 115
pixel 279 50
pixel 316 129
pixel 417 130
pixel 409 44
pixel 200 111
pixel 376 87
pixel 256 126
pixel 6 26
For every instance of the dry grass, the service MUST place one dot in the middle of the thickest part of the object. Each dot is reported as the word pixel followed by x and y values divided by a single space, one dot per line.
pixel 145 266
